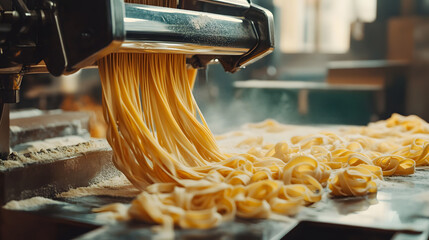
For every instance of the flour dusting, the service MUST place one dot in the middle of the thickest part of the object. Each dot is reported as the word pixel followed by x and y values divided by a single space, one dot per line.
pixel 29 203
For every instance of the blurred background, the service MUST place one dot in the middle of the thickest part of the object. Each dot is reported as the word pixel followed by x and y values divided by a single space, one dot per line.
pixel 335 62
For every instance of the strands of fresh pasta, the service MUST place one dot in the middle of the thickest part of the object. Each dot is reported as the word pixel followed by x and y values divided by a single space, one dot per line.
pixel 153 130
pixel 355 181
pixel 163 149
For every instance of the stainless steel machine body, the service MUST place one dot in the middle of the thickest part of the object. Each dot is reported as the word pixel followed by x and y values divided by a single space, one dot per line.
pixel 61 37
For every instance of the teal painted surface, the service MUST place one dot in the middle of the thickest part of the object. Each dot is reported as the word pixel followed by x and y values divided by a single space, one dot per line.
pixel 324 107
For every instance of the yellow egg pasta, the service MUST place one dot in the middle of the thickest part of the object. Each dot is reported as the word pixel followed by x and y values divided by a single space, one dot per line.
pixel 163 145
pixel 354 181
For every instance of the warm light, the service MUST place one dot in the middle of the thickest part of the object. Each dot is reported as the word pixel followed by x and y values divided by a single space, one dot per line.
pixel 321 25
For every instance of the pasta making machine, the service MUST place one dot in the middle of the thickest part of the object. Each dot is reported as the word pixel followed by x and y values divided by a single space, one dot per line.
pixel 61 37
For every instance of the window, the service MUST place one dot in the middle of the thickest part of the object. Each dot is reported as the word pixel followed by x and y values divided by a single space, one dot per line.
pixel 322 25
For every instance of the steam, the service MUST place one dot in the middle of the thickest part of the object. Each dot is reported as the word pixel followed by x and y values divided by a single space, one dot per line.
pixel 246 105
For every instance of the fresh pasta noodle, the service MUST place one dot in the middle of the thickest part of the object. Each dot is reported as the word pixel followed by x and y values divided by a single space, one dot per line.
pixel 164 150
pixel 153 145
pixel 355 181
pixel 395 165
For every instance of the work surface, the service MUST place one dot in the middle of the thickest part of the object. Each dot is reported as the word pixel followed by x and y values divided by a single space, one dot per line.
pixel 399 210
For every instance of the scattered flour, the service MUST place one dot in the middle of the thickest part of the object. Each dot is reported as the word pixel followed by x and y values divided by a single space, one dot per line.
pixel 37 146
pixel 29 203
pixel 47 155
pixel 116 187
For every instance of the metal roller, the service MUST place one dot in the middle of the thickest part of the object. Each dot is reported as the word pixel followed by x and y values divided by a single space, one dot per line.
pixel 63 36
